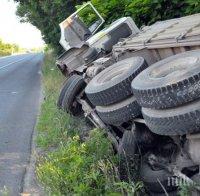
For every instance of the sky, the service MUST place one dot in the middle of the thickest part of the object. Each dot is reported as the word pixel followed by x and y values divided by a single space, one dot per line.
pixel 12 31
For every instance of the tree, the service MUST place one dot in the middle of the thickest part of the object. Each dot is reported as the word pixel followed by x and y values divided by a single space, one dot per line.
pixel 46 16
pixel 7 49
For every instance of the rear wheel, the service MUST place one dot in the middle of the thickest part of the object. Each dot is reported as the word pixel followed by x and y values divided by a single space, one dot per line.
pixel 113 84
pixel 62 92
pixel 127 158
pixel 73 87
pixel 174 121
pixel 156 180
pixel 118 113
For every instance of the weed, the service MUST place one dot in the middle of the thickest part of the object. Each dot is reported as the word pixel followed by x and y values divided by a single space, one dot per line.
pixel 74 167
pixel 5 191
pixel 188 189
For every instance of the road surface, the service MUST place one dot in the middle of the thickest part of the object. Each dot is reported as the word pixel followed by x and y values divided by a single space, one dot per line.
pixel 20 90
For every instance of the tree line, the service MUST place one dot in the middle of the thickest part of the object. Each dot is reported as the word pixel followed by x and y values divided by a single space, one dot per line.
pixel 47 14
pixel 8 49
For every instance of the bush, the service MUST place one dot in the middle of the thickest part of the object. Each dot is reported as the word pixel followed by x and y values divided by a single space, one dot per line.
pixel 86 168
pixel 145 12
pixel 7 49
pixel 193 7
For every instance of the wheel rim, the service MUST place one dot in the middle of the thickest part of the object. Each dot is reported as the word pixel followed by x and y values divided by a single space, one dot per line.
pixel 113 74
pixel 176 67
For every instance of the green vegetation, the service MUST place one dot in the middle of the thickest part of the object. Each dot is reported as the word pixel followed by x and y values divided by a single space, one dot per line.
pixel 188 189
pixel 8 49
pixel 69 164
pixel 83 168
pixel 46 15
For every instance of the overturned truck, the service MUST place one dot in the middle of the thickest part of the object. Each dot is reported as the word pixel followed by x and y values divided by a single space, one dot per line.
pixel 143 86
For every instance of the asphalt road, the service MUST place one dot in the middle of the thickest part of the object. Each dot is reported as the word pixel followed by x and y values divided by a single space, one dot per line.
pixel 20 89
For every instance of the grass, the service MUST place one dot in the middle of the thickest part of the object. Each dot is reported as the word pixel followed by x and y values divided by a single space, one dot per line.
pixel 68 165
pixel 188 189
pixel 5 191
pixel 54 125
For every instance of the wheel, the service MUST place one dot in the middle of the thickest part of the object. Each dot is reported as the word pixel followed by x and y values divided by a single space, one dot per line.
pixel 114 83
pixel 118 113
pixel 174 121
pixel 127 159
pixel 62 92
pixel 154 178
pixel 127 145
pixel 170 82
pixel 74 85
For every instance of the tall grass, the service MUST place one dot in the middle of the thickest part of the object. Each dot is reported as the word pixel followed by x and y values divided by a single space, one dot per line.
pixel 70 166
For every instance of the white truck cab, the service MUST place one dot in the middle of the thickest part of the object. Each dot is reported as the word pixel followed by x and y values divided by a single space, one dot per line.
pixel 80 40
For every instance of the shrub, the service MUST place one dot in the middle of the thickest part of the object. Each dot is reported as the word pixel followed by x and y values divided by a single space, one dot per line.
pixel 86 168
pixel 145 12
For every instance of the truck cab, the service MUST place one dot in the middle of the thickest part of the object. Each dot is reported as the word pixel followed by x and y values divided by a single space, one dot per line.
pixel 82 43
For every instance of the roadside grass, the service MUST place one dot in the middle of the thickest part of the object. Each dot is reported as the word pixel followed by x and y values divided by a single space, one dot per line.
pixel 68 165
pixel 189 189
pixel 5 191
pixel 53 125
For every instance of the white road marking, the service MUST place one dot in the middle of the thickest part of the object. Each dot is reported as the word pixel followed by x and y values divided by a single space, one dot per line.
pixel 12 63
pixel 14 92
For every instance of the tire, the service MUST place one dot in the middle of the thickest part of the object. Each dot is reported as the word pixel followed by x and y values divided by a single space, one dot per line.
pixel 153 178
pixel 118 113
pixel 181 120
pixel 170 82
pixel 127 147
pixel 62 92
pixel 74 86
pixel 114 83
pixel 127 159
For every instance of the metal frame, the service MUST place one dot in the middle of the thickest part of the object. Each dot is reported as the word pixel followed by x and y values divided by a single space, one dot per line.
pixel 95 10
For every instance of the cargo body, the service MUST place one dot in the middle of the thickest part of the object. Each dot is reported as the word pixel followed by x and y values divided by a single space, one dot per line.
pixel 164 38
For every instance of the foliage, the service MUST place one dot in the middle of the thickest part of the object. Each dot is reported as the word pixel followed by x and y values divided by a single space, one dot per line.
pixel 46 15
pixel 7 49
pixel 193 6
pixel 145 12
pixel 86 168
pixel 188 189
